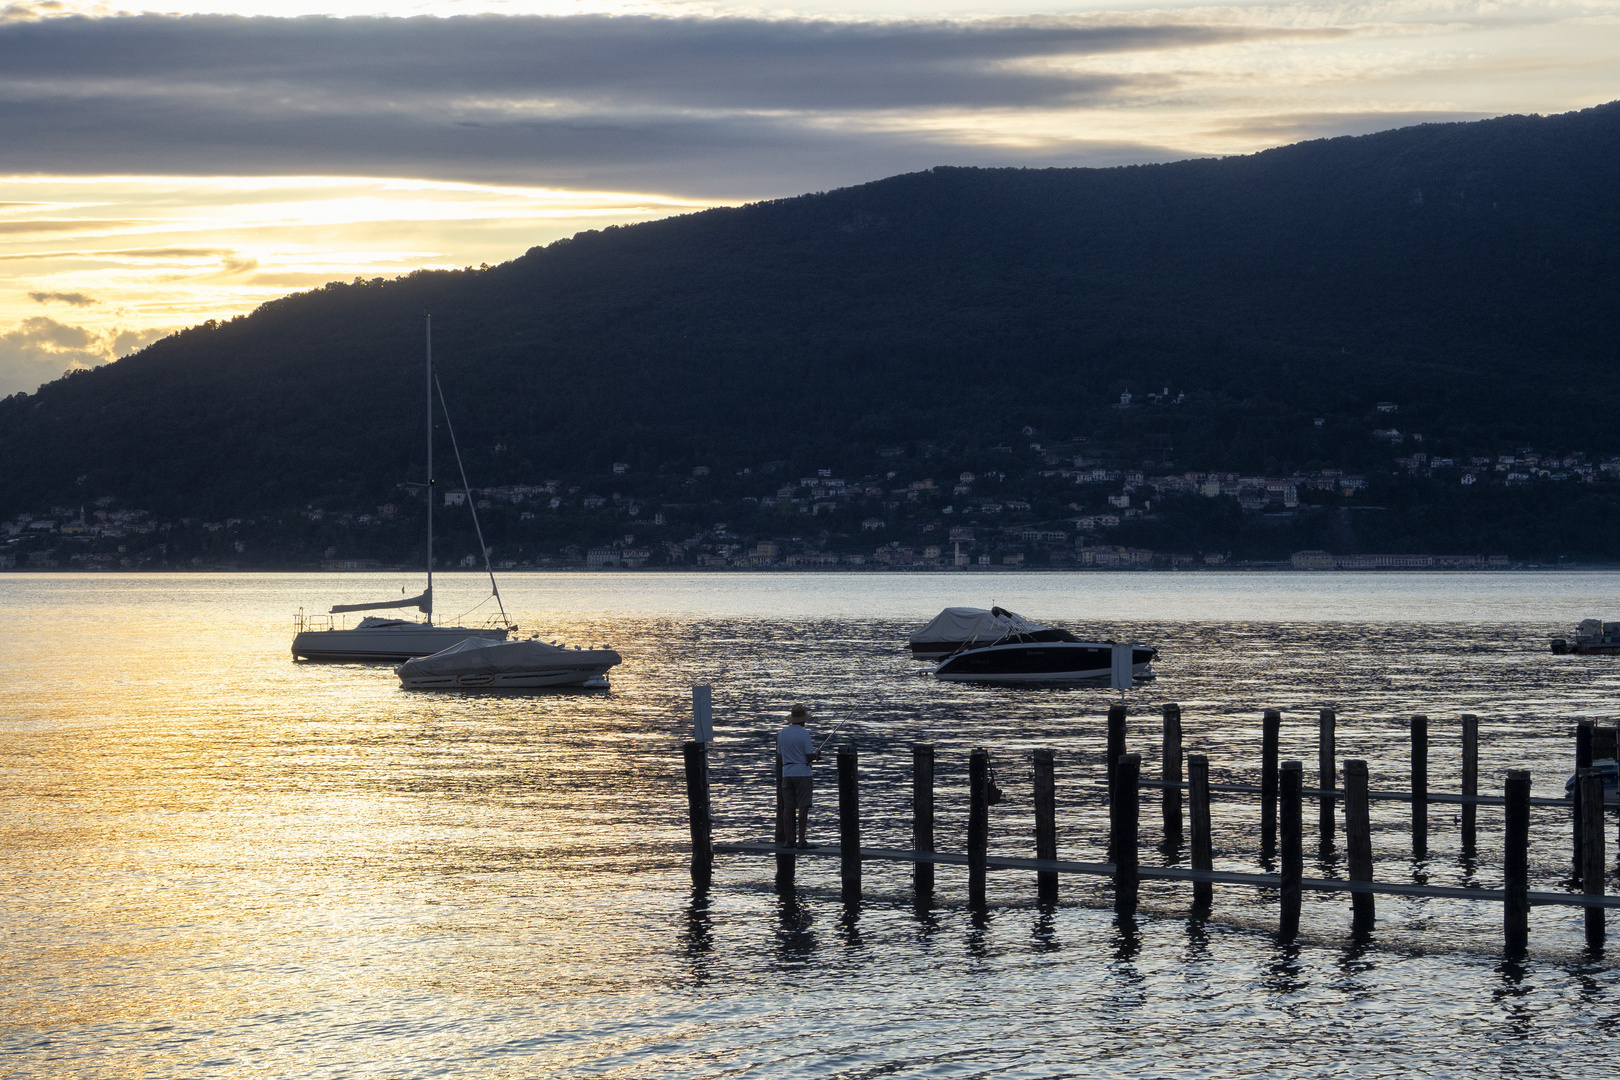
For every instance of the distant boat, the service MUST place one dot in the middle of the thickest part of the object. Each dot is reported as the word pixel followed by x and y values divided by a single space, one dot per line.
pixel 1593 637
pixel 479 664
pixel 316 638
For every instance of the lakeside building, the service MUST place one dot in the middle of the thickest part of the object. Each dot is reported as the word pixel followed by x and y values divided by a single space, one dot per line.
pixel 1326 560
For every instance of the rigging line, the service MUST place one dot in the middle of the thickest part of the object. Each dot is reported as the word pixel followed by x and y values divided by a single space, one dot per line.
pixel 471 502
pixel 472 609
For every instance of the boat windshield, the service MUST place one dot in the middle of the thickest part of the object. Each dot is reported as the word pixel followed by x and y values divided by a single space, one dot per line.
pixel 1032 636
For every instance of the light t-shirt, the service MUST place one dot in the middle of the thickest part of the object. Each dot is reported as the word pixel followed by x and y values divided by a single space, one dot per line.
pixel 795 745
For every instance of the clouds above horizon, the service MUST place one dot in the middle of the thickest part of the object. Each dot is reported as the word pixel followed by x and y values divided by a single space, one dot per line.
pixel 720 108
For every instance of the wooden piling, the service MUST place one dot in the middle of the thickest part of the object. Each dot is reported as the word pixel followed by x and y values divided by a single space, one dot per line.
pixel 1124 813
pixel 1203 847
pixel 1516 862
pixel 978 824
pixel 1116 742
pixel 1583 760
pixel 1590 788
pixel 1291 781
pixel 1603 742
pixel 1358 840
pixel 697 812
pixel 1326 770
pixel 922 814
pixel 1420 787
pixel 785 864
pixel 1046 881
pixel 1470 780
pixel 849 825
pixel 1170 766
pixel 1270 733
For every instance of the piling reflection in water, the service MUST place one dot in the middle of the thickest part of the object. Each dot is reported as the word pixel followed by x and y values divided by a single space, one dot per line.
pixel 217 860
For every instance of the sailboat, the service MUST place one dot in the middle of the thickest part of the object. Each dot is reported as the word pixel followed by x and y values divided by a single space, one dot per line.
pixel 375 638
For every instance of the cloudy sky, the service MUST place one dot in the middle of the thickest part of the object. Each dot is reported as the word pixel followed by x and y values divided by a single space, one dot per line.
pixel 158 169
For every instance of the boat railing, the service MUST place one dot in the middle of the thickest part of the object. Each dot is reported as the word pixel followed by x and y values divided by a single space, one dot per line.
pixel 303 623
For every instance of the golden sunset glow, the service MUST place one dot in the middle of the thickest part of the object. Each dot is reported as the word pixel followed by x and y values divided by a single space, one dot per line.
pixel 95 267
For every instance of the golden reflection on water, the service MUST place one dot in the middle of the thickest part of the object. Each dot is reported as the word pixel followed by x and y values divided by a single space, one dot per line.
pixel 216 859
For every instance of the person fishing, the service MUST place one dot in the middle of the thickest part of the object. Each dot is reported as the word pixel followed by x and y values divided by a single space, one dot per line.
pixel 798 750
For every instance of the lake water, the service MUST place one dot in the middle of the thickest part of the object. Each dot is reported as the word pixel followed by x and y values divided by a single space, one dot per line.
pixel 217 862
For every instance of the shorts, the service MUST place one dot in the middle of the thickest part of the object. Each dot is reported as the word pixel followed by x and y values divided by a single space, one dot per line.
pixel 797 790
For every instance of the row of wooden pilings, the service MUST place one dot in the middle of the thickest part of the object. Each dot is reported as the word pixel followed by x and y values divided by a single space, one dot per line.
pixel 1282 793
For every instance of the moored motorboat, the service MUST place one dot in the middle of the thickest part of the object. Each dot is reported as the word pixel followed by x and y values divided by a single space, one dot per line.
pixel 1019 660
pixel 481 664
pixel 999 646
pixel 1593 637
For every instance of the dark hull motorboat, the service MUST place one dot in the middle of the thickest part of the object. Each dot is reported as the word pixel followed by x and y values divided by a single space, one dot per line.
pixel 1026 661
pixel 1609 772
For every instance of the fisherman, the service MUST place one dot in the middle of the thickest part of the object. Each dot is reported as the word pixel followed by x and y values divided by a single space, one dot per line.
pixel 797 750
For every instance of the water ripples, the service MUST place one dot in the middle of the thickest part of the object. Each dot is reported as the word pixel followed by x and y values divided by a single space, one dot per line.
pixel 220 862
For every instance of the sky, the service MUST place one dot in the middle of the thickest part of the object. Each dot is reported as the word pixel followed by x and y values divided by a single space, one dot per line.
pixel 160 168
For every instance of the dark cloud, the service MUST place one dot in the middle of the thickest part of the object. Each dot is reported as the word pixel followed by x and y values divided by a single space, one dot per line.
pixel 711 106
pixel 77 299
pixel 621 61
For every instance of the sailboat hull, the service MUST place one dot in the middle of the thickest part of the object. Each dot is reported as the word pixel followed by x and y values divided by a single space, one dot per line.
pixel 385 643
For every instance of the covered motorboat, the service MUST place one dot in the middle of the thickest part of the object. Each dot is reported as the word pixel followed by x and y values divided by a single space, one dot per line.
pixel 484 664
pixel 958 628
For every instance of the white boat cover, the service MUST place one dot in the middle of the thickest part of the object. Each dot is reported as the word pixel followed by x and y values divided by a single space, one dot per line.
pixel 484 656
pixel 958 624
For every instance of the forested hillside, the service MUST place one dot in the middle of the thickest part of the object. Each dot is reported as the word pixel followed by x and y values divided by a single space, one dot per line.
pixel 914 328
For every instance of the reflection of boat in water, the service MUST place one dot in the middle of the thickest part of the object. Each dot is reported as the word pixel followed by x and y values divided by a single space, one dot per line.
pixel 316 638
pixel 998 646
pixel 480 664
pixel 1593 637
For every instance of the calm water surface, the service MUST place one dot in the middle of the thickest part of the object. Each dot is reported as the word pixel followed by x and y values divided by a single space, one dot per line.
pixel 217 862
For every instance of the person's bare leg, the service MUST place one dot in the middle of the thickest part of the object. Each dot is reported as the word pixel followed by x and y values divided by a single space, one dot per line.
pixel 804 825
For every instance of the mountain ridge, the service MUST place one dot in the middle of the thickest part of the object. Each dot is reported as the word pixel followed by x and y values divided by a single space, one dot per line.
pixel 1462 270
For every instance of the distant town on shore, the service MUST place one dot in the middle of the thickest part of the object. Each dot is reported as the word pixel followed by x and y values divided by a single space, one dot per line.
pixel 1048 506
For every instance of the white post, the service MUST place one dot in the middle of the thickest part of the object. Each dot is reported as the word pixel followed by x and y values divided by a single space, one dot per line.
pixel 702 715
pixel 1120 673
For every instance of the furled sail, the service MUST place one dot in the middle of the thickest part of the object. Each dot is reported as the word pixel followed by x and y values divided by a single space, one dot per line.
pixel 420 603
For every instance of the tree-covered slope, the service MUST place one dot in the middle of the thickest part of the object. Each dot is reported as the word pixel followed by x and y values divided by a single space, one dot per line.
pixel 1467 271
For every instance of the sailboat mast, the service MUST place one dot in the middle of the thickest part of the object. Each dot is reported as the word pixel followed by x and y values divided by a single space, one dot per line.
pixel 430 493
